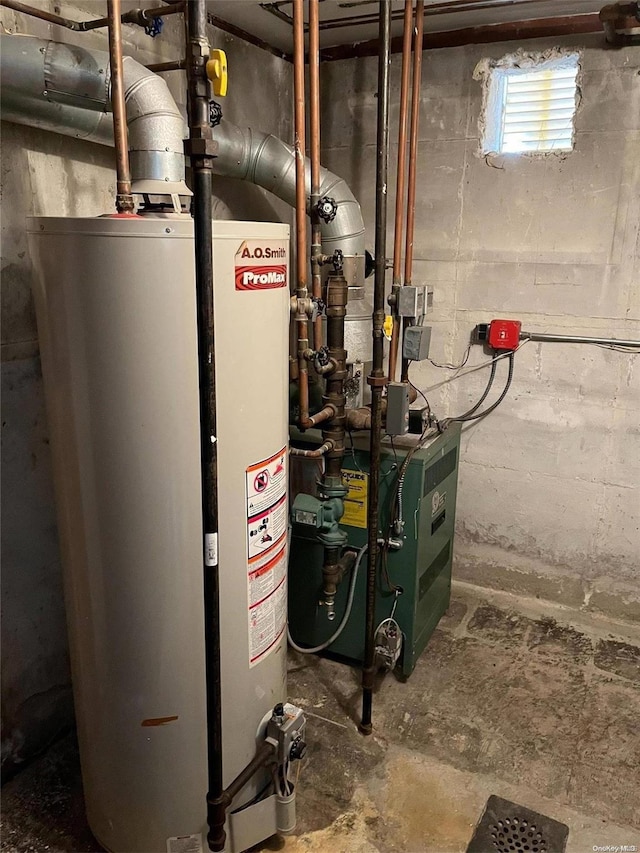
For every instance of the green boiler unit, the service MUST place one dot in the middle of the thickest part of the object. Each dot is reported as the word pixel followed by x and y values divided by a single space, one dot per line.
pixel 420 569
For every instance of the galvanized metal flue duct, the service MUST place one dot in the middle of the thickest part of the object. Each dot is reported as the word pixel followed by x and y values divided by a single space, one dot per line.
pixel 65 89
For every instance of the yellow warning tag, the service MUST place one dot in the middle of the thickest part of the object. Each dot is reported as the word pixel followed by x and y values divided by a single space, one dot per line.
pixel 355 503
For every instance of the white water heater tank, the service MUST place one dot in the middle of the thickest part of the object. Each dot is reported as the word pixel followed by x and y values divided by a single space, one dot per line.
pixel 116 308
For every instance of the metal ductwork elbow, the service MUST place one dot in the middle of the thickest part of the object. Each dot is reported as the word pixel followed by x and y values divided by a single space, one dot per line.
pixel 268 162
pixel 66 89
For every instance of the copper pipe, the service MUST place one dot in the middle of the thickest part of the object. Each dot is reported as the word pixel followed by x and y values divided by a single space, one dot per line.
pixel 413 140
pixel 124 197
pixel 302 323
pixel 400 181
pixel 320 417
pixel 314 153
pixel 413 156
pixel 299 146
pixel 312 454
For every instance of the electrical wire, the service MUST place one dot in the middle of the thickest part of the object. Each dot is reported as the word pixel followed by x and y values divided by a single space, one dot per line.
pixel 629 350
pixel 465 359
pixel 353 452
pixel 484 396
pixel 493 406
pixel 479 366
pixel 345 618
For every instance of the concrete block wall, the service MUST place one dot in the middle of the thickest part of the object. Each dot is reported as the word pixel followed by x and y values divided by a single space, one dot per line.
pixel 549 501
pixel 51 175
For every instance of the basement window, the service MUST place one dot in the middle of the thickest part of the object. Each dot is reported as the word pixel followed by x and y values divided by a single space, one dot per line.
pixel 530 104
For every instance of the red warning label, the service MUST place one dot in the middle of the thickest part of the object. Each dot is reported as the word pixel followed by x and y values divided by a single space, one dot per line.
pixel 261 265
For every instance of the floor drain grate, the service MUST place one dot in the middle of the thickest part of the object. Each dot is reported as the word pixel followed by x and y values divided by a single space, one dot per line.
pixel 509 828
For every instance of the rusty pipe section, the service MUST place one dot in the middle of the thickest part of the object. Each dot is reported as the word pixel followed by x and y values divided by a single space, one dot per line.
pixel 314 152
pixel 140 17
pixel 65 89
pixel 617 17
pixel 400 185
pixel 124 195
pixel 413 157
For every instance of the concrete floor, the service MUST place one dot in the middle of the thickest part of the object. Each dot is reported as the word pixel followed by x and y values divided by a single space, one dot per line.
pixel 534 703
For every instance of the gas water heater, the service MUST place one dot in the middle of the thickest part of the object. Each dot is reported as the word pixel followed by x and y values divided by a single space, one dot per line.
pixel 115 301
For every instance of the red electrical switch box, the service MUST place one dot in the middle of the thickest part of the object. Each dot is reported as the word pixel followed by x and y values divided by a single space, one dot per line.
pixel 504 334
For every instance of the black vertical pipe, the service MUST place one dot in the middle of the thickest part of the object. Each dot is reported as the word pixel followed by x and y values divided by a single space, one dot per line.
pixel 377 378
pixel 200 147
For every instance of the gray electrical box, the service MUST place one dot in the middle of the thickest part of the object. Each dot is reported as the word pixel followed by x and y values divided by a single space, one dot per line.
pixel 412 301
pixel 397 408
pixel 416 342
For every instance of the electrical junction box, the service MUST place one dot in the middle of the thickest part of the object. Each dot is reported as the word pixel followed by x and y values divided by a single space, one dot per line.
pixel 414 301
pixel 416 343
pixel 504 334
pixel 397 420
pixel 422 567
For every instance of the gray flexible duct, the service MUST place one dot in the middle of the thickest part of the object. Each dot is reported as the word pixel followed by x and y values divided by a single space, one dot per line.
pixel 65 89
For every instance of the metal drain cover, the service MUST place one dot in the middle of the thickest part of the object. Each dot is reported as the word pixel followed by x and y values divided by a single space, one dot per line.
pixel 509 828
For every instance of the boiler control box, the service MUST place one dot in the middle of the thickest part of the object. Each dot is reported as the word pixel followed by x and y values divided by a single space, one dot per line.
pixel 504 334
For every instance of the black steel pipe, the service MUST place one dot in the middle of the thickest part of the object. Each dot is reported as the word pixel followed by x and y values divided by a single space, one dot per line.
pixel 200 148
pixel 377 379
pixel 264 755
pixel 160 67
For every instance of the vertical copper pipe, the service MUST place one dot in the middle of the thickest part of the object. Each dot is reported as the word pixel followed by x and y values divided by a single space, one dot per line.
pixel 413 140
pixel 124 197
pixel 314 152
pixel 413 154
pixel 400 181
pixel 302 323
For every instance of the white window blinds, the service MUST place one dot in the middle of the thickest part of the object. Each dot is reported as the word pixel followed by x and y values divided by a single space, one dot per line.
pixel 533 107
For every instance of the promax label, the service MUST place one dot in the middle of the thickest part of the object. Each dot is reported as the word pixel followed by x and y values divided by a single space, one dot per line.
pixel 261 265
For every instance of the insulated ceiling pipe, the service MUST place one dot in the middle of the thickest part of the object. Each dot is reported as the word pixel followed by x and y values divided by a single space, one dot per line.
pixel 64 89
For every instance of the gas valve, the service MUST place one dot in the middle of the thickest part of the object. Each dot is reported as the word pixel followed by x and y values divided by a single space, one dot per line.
pixel 215 113
pixel 327 209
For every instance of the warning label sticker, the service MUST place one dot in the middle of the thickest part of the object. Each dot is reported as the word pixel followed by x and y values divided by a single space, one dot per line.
pixel 261 265
pixel 184 844
pixel 267 624
pixel 266 530
pixel 355 502
pixel 266 489
pixel 266 483
pixel 266 579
